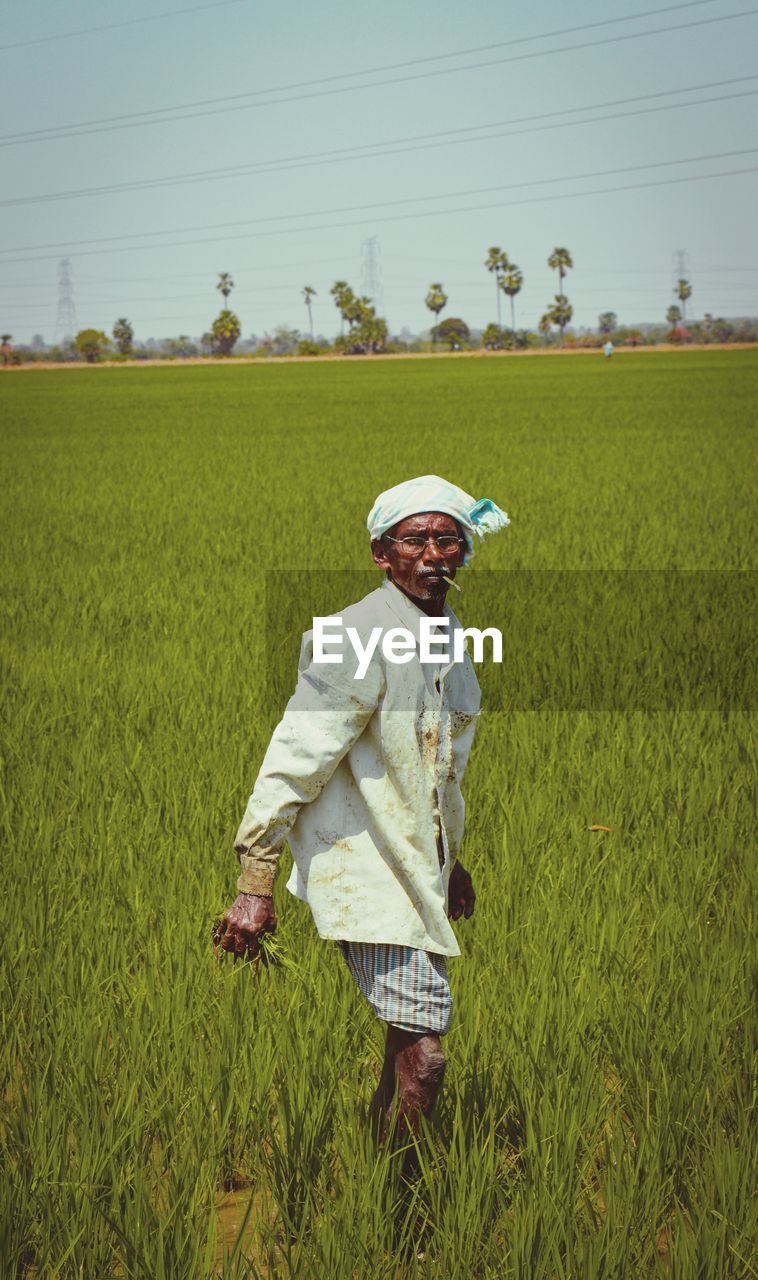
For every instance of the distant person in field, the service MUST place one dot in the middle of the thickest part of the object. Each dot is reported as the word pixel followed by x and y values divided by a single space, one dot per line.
pixel 362 778
pixel 608 349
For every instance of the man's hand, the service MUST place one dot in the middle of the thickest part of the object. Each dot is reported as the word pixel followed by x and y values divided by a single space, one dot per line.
pixel 460 894
pixel 242 926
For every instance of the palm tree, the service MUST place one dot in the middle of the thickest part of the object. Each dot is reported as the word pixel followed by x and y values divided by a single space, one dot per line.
pixel 342 294
pixel 5 347
pixel 545 325
pixel 354 309
pixel 683 291
pixel 510 283
pixel 225 331
pixel 673 316
pixel 607 321
pixel 91 343
pixel 124 335
pixel 435 300
pixel 492 338
pixel 496 262
pixel 309 293
pixel 560 260
pixel 225 286
pixel 560 312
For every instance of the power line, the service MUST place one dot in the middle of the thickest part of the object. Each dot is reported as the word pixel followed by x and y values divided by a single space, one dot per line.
pixel 480 286
pixel 103 125
pixel 369 150
pixel 255 270
pixel 291 289
pixel 396 282
pixel 441 263
pixel 735 309
pixel 350 75
pixel 385 204
pixel 410 288
pixel 512 133
pixel 615 271
pixel 112 26
pixel 404 217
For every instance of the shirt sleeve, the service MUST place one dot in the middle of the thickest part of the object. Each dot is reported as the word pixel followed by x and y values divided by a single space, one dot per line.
pixel 327 713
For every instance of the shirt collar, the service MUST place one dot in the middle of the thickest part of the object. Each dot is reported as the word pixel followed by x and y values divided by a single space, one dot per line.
pixel 405 608
pixel 410 615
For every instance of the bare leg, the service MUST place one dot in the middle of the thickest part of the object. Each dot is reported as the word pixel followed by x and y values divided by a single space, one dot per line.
pixel 414 1064
pixel 419 1071
pixel 381 1103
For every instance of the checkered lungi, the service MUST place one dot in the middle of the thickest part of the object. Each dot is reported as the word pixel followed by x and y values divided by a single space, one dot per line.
pixel 404 986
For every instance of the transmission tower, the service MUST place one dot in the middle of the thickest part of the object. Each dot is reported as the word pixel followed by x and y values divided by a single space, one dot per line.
pixel 65 322
pixel 371 273
pixel 680 265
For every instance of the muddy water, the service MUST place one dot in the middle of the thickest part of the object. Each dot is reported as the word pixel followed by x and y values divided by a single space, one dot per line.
pixel 231 1208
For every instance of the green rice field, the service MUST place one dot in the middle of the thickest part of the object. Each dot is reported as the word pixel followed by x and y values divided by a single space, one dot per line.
pixel 169 1116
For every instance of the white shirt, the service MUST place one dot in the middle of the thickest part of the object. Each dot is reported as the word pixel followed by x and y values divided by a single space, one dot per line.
pixel 357 775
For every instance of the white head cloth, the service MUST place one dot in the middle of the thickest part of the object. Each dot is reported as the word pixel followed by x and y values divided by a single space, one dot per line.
pixel 432 493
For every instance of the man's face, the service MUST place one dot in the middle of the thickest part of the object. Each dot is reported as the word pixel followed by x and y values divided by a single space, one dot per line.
pixel 420 576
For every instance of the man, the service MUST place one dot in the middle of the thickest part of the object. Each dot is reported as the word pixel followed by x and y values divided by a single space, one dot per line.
pixel 362 777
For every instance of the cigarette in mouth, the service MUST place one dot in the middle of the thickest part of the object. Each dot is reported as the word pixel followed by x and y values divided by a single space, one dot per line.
pixel 450 580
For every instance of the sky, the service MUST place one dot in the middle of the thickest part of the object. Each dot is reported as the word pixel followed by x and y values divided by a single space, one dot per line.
pixel 273 141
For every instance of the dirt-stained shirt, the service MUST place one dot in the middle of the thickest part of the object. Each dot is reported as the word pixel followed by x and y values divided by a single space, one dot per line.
pixel 362 778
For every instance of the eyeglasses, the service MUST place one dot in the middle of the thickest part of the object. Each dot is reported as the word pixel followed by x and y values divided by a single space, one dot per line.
pixel 414 543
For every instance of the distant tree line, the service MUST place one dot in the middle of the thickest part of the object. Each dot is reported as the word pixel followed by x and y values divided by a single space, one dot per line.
pixel 363 332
